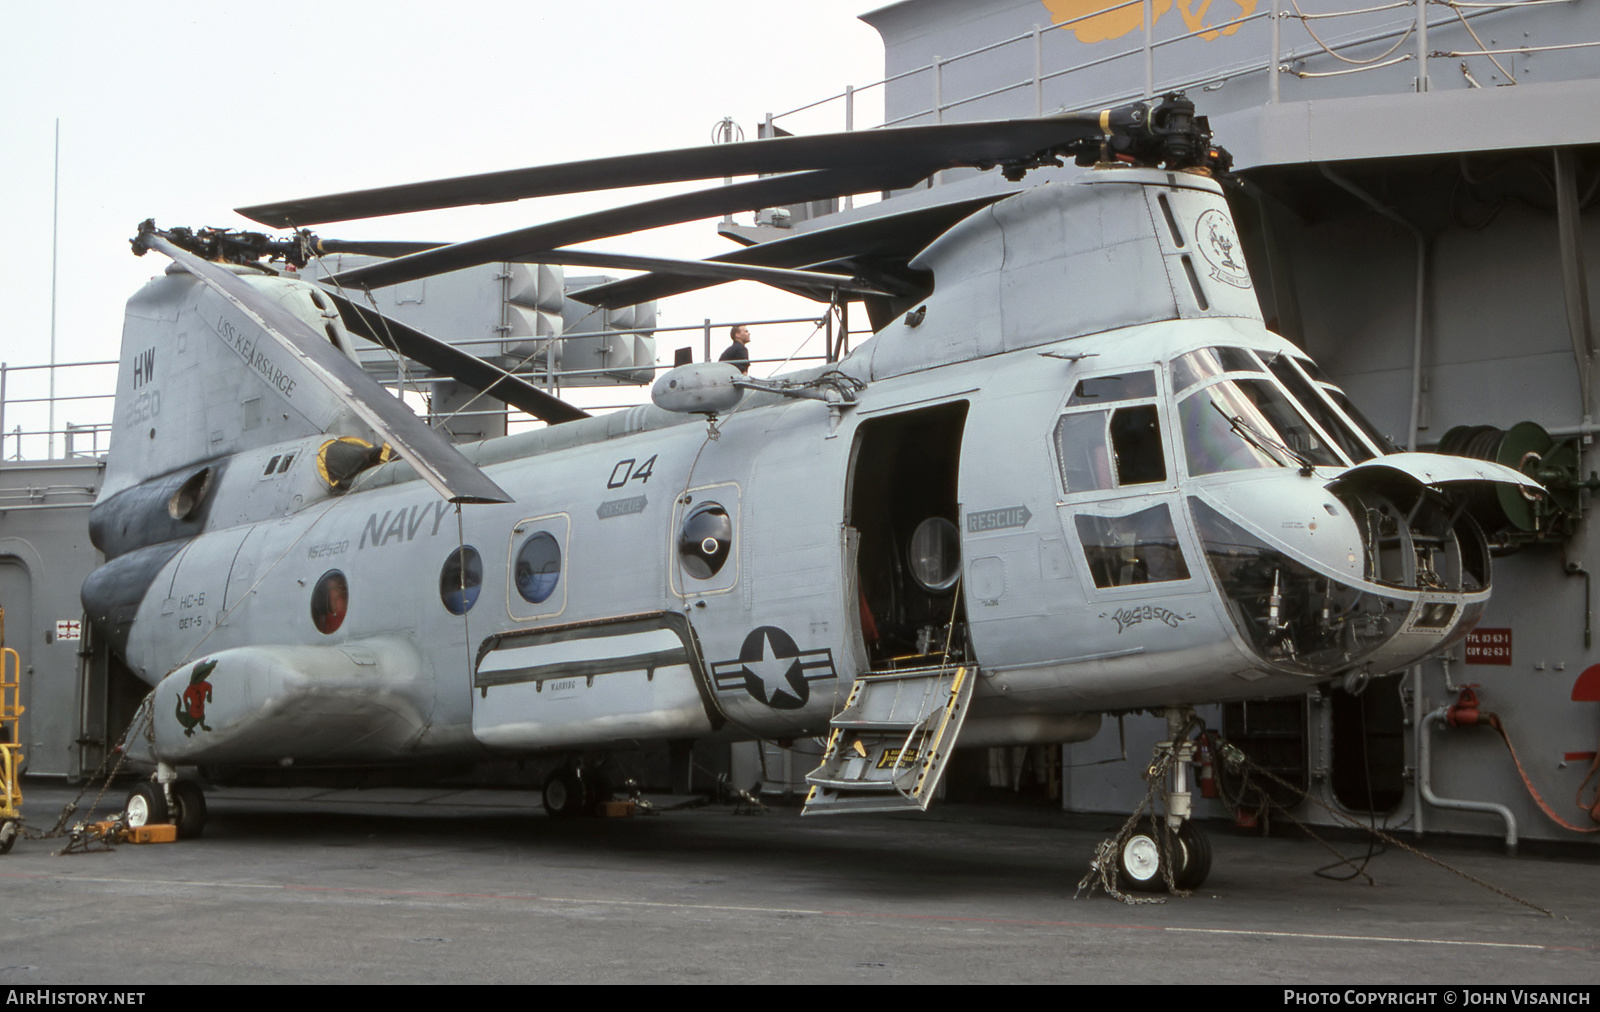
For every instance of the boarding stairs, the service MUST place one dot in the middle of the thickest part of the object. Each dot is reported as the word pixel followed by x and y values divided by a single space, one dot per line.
pixel 890 743
pixel 10 744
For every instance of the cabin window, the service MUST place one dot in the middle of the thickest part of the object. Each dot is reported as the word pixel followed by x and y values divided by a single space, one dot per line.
pixel 330 601
pixel 538 567
pixel 460 580
pixel 705 540
pixel 935 555
pixel 1139 548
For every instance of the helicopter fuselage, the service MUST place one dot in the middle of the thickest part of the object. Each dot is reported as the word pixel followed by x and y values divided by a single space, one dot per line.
pixel 1083 468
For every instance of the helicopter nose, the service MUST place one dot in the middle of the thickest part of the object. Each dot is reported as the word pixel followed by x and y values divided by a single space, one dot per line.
pixel 1373 573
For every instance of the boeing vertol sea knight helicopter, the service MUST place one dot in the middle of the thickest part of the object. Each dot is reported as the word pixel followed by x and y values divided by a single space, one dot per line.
pixel 1071 473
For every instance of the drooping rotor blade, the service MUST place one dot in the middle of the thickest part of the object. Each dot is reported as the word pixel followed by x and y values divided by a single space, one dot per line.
pixel 438 463
pixel 937 146
pixel 770 192
pixel 711 271
pixel 707 271
pixel 902 234
pixel 448 360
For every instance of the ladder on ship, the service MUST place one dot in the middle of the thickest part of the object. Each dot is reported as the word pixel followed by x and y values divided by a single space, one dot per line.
pixel 889 745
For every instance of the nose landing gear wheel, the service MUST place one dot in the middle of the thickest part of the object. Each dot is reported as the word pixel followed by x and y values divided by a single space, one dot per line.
pixel 1196 857
pixel 147 806
pixel 564 794
pixel 189 803
pixel 1139 859
pixel 1139 867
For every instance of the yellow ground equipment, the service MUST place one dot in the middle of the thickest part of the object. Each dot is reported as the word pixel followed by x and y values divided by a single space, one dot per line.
pixel 10 748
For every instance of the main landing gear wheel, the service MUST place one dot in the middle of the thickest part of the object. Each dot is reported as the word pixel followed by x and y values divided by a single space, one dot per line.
pixel 1139 861
pixel 564 794
pixel 1196 848
pixel 147 806
pixel 189 803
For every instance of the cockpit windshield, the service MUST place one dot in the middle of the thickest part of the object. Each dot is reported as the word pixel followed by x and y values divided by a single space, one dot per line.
pixel 1246 423
pixel 1307 396
pixel 1234 417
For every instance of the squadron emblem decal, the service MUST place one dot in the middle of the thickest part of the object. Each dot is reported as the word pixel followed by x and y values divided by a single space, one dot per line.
pixel 1219 244
pixel 773 669
pixel 192 704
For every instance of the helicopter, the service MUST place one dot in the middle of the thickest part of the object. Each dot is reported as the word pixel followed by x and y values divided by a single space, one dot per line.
pixel 1071 473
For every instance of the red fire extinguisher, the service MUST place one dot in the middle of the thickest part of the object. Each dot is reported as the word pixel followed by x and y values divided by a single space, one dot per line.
pixel 1208 771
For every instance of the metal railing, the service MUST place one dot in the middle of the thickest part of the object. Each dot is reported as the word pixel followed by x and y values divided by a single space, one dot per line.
pixel 35 436
pixel 1281 57
pixel 35 439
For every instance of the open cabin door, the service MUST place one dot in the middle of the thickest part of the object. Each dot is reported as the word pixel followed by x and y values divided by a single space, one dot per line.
pixel 889 745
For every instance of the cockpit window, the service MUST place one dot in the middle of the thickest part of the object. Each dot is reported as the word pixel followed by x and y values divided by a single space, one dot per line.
pixel 1136 445
pixel 1381 441
pixel 1313 370
pixel 1103 389
pixel 1081 446
pixel 1102 450
pixel 1199 366
pixel 1314 405
pixel 1289 426
pixel 1224 430
pixel 1139 548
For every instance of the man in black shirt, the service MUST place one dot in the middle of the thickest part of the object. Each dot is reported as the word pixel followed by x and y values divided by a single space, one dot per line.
pixel 737 353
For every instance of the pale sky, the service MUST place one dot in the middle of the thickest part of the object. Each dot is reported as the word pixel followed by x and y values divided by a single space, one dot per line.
pixel 182 110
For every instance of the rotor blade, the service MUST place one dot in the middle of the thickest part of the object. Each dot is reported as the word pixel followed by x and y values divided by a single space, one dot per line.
pixel 937 146
pixel 770 192
pixel 440 464
pixel 448 360
pixel 371 248
pixel 905 232
pixel 705 270
pixel 711 270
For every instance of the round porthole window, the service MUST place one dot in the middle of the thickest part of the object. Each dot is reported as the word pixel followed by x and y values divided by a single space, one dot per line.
pixel 538 567
pixel 936 554
pixel 704 540
pixel 330 600
pixel 460 580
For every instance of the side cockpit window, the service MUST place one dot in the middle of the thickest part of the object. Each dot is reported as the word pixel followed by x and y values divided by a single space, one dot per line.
pixel 1115 446
pixel 1139 548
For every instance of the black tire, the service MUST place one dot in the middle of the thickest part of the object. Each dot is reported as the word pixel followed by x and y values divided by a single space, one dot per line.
pixel 597 789
pixel 1196 857
pixel 189 802
pixel 1139 859
pixel 10 829
pixel 563 794
pixel 147 806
